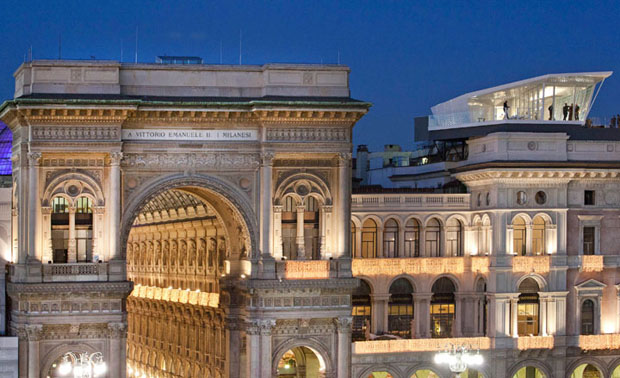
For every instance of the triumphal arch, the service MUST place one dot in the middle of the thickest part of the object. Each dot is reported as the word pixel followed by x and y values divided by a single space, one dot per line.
pixel 184 220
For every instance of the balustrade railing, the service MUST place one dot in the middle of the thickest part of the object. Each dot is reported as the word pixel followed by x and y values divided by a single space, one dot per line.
pixel 75 272
pixel 456 201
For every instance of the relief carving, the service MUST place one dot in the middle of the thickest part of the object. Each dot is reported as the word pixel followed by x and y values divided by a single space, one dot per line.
pixel 200 161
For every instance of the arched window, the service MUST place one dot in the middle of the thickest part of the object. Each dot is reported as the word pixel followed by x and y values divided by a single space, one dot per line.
pixel 587 317
pixel 390 238
pixel 538 236
pixel 400 313
pixel 432 238
pixel 84 229
pixel 481 322
pixel 361 311
pixel 369 239
pixel 442 308
pixel 412 238
pixel 454 238
pixel 527 308
pixel 519 236
pixel 289 228
pixel 311 229
pixel 60 229
pixel 353 240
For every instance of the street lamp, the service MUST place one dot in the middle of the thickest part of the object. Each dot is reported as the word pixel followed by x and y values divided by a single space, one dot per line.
pixel 83 365
pixel 458 359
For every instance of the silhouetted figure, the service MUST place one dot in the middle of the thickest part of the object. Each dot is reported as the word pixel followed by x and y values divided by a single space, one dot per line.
pixel 570 112
pixel 612 124
pixel 506 107
pixel 565 111
pixel 576 112
pixel 551 112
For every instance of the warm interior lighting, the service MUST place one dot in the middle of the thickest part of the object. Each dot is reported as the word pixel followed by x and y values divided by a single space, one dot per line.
pixel 412 266
pixel 608 327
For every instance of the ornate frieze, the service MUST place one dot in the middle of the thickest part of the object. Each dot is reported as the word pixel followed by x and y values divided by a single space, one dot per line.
pixel 308 135
pixel 76 133
pixel 193 160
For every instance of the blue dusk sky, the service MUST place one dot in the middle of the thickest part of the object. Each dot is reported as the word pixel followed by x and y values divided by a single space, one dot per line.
pixel 405 56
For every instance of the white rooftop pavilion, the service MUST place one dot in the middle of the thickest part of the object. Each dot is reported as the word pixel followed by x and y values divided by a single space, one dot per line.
pixel 549 98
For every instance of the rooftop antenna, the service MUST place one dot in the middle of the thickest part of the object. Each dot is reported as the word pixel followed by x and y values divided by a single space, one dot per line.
pixel 59 46
pixel 240 37
pixel 136 44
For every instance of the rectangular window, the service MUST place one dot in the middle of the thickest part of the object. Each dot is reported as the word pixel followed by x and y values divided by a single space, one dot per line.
pixel 527 319
pixel 588 240
pixel 588 197
pixel 442 316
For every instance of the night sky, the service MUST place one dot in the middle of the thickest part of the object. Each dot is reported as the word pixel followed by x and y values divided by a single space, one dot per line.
pixel 405 56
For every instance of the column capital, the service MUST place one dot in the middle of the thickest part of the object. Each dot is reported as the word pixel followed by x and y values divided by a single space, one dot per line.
pixel 278 208
pixel 300 208
pixel 343 158
pixel 33 331
pixel 343 324
pixel 117 330
pixel 115 158
pixel 34 158
pixel 266 158
pixel 266 326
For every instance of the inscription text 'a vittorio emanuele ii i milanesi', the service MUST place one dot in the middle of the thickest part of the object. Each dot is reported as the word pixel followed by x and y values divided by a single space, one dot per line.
pixel 190 135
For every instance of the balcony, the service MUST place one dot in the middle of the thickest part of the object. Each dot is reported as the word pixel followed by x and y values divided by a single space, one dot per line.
pixel 534 342
pixel 419 265
pixel 531 264
pixel 75 272
pixel 418 345
pixel 361 202
pixel 599 342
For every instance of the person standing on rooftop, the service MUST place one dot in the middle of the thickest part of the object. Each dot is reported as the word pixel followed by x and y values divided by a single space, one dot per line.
pixel 506 107
pixel 565 110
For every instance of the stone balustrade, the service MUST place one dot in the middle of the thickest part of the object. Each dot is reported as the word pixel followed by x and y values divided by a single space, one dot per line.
pixel 418 345
pixel 75 272
pixel 426 201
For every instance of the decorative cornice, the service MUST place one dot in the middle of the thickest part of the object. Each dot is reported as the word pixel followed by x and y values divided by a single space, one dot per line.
pixel 549 174
pixel 123 287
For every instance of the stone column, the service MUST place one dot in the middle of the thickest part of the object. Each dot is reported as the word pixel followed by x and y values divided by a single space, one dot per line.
pixel 379 313
pixel 458 310
pixel 33 332
pixel 380 251
pixel 266 203
pixel 277 232
pixel 358 243
pixel 543 316
pixel 422 241
pixel 300 239
pixel 72 251
pixel 324 216
pixel 510 240
pixel 422 312
pixel 343 325
pixel 48 253
pixel 344 203
pixel 114 205
pixel 528 239
pixel 400 252
pixel 254 351
pixel 266 326
pixel 513 317
pixel 117 351
pixel 34 159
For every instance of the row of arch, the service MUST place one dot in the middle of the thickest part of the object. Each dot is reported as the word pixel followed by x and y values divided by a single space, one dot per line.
pixel 434 236
pixel 582 368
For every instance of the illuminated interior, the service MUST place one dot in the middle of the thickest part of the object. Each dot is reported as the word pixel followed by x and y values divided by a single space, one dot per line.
pixel 547 98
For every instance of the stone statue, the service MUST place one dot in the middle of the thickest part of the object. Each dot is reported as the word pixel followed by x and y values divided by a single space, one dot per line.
pixel 164 253
pixel 212 252
pixel 182 252
pixel 191 258
pixel 202 245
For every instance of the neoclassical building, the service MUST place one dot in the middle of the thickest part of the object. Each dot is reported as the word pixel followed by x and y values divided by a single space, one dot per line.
pixel 200 221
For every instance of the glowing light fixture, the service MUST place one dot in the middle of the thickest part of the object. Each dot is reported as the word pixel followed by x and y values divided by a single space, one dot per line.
pixel 83 365
pixel 458 359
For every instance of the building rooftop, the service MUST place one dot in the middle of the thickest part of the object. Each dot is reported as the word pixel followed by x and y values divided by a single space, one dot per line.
pixel 552 98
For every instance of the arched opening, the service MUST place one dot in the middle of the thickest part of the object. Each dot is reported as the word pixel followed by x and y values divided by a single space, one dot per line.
pixel 529 372
pixel 425 373
pixel 432 235
pixel 412 238
pixel 538 236
pixel 482 307
pixel 301 362
pixel 586 371
pixel 443 308
pixel 400 311
pixel 587 317
pixel 379 374
pixel 289 228
pixel 519 237
pixel 616 372
pixel 60 229
pixel 528 308
pixel 361 312
pixel 369 239
pixel 390 238
pixel 311 228
pixel 454 238
pixel 58 370
pixel 179 243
